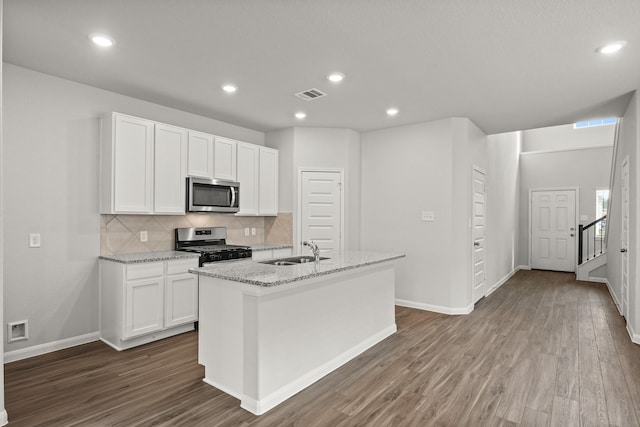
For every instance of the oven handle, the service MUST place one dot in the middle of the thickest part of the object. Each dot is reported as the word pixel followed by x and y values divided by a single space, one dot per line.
pixel 233 197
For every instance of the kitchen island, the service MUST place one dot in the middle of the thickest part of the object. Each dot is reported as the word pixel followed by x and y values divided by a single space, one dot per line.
pixel 266 331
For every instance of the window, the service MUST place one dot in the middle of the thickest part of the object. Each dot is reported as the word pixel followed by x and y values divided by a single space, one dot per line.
pixel 602 204
pixel 598 122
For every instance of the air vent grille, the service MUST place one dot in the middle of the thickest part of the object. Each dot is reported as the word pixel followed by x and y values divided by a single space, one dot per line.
pixel 310 94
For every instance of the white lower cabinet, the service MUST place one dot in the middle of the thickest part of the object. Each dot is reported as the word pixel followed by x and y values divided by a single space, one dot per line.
pixel 181 305
pixel 144 302
pixel 143 307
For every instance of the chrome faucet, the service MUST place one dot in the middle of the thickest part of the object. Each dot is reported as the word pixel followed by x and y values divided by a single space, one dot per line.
pixel 314 248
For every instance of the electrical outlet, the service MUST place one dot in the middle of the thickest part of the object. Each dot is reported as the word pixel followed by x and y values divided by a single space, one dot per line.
pixel 17 331
pixel 428 216
pixel 253 231
pixel 246 231
pixel 144 236
pixel 34 240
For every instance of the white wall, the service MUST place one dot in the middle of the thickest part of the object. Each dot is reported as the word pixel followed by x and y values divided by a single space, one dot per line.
pixel 407 170
pixel 283 141
pixel 424 167
pixel 565 136
pixel 503 202
pixel 627 147
pixel 51 138
pixel 588 169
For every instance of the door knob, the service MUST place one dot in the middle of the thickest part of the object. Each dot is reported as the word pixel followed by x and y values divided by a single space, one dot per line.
pixel 571 234
pixel 476 243
pixel 623 250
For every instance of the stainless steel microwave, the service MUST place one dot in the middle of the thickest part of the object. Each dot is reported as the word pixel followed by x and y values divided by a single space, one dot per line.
pixel 212 195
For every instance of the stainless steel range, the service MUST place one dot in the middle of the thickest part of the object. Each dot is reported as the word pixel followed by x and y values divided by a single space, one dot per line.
pixel 210 243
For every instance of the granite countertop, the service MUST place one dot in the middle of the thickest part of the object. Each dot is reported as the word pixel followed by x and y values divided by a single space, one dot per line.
pixel 256 273
pixel 149 257
pixel 270 246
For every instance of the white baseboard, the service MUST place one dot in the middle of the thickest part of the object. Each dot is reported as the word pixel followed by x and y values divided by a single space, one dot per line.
pixel 4 419
pixel 259 407
pixel 40 349
pixel 632 334
pixel 614 297
pixel 435 308
pixel 504 280
pixel 523 267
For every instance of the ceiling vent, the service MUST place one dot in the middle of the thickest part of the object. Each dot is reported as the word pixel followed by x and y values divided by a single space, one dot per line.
pixel 310 94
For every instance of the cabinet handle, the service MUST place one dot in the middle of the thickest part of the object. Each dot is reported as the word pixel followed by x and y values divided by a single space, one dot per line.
pixel 623 250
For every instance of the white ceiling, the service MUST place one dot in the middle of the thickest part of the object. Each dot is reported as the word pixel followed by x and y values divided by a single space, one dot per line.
pixel 505 64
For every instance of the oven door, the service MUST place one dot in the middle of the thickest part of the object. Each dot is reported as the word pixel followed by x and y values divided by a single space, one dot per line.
pixel 211 195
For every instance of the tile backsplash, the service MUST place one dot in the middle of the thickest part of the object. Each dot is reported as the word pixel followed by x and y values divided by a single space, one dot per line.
pixel 120 234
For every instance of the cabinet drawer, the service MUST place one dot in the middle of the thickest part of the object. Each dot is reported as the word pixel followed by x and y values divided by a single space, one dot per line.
pixel 147 269
pixel 181 266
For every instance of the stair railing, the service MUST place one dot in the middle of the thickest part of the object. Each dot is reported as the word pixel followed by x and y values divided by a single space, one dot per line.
pixel 592 239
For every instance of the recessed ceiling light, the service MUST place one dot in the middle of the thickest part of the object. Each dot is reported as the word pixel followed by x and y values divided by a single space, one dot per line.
pixel 392 111
pixel 335 77
pixel 229 88
pixel 300 115
pixel 611 47
pixel 102 40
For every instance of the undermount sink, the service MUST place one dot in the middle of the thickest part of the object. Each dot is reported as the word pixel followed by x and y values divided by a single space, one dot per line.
pixel 292 260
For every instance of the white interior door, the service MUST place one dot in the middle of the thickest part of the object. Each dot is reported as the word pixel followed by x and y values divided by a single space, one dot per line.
pixel 321 210
pixel 553 230
pixel 479 282
pixel 624 247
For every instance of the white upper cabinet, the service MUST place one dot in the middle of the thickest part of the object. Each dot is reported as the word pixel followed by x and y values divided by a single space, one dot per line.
pixel 200 152
pixel 247 170
pixel 224 159
pixel 268 178
pixel 127 165
pixel 170 169
pixel 144 165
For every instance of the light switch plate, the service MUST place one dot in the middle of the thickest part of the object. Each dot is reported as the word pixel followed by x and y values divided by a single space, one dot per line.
pixel 428 216
pixel 253 231
pixel 584 217
pixel 144 236
pixel 246 231
pixel 34 240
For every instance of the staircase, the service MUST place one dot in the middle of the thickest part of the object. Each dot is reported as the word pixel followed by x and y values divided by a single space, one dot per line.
pixel 592 251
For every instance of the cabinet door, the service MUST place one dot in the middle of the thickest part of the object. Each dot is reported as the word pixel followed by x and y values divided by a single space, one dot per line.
pixel 182 299
pixel 133 165
pixel 248 178
pixel 170 169
pixel 268 190
pixel 200 152
pixel 144 307
pixel 224 159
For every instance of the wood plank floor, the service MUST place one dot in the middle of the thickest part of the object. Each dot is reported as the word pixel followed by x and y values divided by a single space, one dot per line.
pixel 543 350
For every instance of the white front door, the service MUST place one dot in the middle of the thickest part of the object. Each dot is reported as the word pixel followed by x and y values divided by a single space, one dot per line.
pixel 479 282
pixel 624 246
pixel 321 210
pixel 553 230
